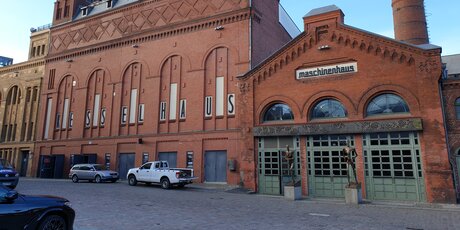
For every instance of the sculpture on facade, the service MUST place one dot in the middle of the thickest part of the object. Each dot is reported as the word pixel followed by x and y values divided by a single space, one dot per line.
pixel 349 154
pixel 289 157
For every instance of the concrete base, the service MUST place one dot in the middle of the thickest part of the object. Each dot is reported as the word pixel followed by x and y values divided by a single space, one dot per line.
pixel 293 192
pixel 353 194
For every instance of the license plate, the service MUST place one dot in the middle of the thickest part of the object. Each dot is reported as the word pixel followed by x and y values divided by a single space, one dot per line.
pixel 114 176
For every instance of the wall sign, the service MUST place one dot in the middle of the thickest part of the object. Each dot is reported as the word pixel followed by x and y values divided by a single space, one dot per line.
pixel 351 67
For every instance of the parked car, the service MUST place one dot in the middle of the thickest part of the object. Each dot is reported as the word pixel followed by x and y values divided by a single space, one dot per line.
pixel 160 173
pixel 92 172
pixel 8 176
pixel 19 211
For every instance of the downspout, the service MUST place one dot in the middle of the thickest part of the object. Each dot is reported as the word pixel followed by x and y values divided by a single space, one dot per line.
pixel 449 154
pixel 250 35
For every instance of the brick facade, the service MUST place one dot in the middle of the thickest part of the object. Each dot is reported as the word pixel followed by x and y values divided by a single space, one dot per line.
pixel 384 66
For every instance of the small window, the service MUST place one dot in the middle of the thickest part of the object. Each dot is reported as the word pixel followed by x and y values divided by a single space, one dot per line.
pixel 328 108
pixel 109 4
pixel 58 121
pixel 84 11
pixel 385 104
pixel 279 112
pixel 457 108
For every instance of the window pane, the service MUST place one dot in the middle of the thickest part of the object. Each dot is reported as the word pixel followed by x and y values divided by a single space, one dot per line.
pixel 328 108
pixel 387 104
pixel 457 108
pixel 278 112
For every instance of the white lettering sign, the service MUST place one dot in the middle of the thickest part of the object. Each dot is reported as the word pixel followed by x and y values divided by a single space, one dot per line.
pixel 344 68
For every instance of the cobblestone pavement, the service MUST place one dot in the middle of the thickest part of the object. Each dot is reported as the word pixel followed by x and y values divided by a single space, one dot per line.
pixel 120 206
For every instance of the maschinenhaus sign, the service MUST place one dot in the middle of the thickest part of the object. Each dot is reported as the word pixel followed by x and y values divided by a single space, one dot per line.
pixel 351 67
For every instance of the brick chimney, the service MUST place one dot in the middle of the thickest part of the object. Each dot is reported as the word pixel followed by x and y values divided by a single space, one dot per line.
pixel 410 21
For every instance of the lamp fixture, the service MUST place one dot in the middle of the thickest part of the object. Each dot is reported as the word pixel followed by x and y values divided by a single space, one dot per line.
pixel 135 46
pixel 219 28
pixel 69 60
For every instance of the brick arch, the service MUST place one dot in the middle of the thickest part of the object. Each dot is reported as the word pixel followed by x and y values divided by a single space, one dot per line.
pixel 69 74
pixel 339 96
pixel 406 94
pixel 135 61
pixel 264 105
pixel 106 71
pixel 170 55
pixel 232 52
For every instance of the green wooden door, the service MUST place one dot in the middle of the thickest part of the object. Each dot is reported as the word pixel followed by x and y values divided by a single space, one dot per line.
pixel 272 167
pixel 327 171
pixel 393 168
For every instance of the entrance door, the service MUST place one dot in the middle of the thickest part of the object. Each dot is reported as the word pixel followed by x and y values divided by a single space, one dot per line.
pixel 24 162
pixel 327 170
pixel 170 157
pixel 46 168
pixel 125 163
pixel 215 166
pixel 458 162
pixel 273 169
pixel 393 167
pixel 58 166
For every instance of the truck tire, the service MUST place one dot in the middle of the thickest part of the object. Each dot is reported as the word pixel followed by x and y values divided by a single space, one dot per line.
pixel 132 180
pixel 165 184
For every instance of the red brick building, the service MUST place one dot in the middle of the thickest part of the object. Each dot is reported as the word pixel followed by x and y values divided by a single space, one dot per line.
pixel 451 96
pixel 335 85
pixel 129 81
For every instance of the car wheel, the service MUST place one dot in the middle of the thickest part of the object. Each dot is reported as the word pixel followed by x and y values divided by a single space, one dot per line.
pixel 165 183
pixel 98 179
pixel 132 180
pixel 75 179
pixel 53 222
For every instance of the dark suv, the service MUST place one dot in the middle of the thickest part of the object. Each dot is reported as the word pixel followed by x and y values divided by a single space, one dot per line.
pixel 8 176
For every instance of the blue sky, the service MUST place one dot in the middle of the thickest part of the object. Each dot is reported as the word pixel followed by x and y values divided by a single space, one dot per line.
pixel 443 17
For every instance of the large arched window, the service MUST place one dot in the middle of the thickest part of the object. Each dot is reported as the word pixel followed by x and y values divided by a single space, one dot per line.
pixel 278 112
pixel 457 108
pixel 387 104
pixel 328 108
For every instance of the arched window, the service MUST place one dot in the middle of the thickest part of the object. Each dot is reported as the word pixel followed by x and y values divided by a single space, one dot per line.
pixel 328 108
pixel 387 104
pixel 457 108
pixel 278 112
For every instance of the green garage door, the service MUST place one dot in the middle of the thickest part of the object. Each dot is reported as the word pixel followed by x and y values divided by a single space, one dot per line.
pixel 272 167
pixel 327 171
pixel 393 167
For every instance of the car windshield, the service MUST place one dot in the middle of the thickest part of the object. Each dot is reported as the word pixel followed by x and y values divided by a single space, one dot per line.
pixel 99 167
pixel 4 164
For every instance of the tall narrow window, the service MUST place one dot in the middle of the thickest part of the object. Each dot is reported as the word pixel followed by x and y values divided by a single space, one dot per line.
pixel 457 108
pixel 48 117
pixel 88 118
pixel 133 106
pixel 97 105
pixel 231 104
pixel 66 113
pixel 208 106
pixel 173 102
pixel 162 111
pixel 140 118
pixel 124 114
pixel 220 96
pixel 182 109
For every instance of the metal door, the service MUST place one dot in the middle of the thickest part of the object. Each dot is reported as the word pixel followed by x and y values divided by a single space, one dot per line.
pixel 215 166
pixel 24 162
pixel 327 170
pixel 458 162
pixel 393 167
pixel 46 168
pixel 273 169
pixel 125 163
pixel 170 157
pixel 58 166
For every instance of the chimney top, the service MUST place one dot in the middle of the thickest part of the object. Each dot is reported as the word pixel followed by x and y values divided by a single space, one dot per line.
pixel 330 13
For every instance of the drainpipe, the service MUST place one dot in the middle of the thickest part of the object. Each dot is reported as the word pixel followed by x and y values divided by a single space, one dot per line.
pixel 449 154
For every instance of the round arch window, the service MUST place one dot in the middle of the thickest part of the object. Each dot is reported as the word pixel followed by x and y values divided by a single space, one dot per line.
pixel 387 104
pixel 328 108
pixel 278 112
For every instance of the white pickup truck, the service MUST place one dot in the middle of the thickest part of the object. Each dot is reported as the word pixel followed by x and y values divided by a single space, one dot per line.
pixel 160 173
